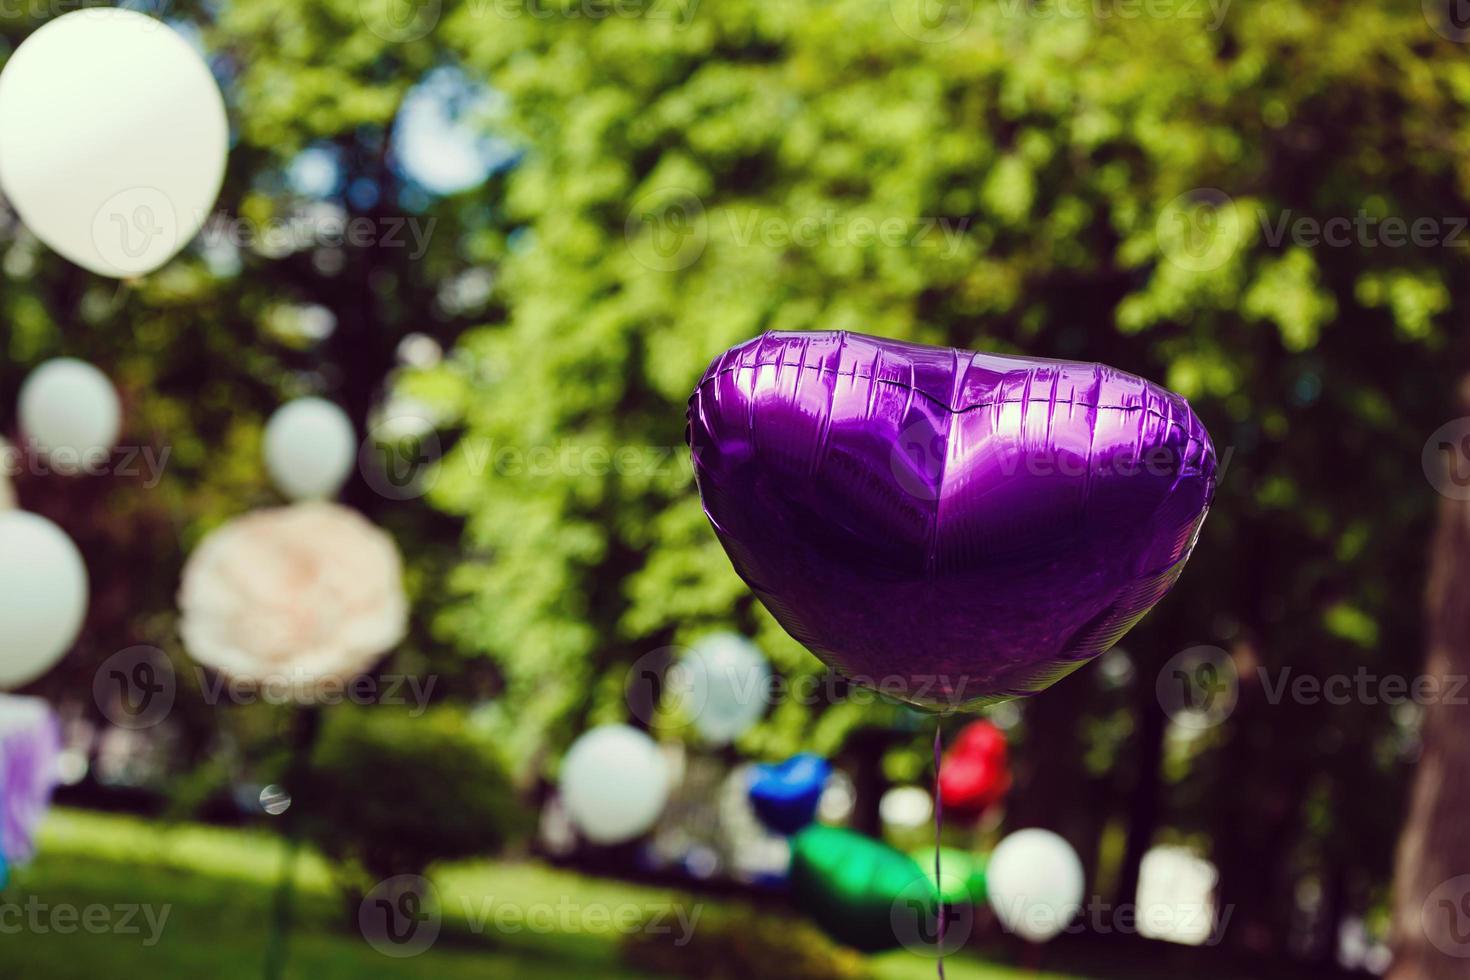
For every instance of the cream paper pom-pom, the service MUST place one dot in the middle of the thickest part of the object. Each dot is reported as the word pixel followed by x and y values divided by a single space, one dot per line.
pixel 294 596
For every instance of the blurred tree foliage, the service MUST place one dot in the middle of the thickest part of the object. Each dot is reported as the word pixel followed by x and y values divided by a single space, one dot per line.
pixel 1134 189
pixel 1131 188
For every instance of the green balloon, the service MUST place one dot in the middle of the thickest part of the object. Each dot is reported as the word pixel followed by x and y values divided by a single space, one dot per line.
pixel 963 873
pixel 850 885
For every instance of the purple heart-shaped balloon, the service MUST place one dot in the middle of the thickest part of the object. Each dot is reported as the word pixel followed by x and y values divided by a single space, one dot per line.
pixel 949 527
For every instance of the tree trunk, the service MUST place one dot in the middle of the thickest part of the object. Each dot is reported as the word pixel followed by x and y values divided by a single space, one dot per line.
pixel 865 747
pixel 1053 790
pixel 1145 797
pixel 1258 824
pixel 1432 884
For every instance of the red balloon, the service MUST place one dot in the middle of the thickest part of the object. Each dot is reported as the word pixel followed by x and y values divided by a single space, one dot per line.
pixel 969 786
pixel 975 775
pixel 981 739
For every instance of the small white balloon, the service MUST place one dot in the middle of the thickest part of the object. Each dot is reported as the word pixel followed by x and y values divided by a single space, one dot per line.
pixel 310 449
pixel 113 139
pixel 1035 882
pixel 70 413
pixel 906 807
pixel 43 596
pixel 724 683
pixel 614 784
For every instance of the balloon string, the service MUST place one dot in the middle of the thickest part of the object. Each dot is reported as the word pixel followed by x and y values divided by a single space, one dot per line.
pixel 938 831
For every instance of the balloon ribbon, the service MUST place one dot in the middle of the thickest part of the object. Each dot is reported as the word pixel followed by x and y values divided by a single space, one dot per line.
pixel 938 831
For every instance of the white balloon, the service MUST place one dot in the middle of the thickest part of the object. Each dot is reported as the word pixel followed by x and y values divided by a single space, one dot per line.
pixel 112 139
pixel 614 784
pixel 725 685
pixel 906 807
pixel 43 596
pixel 70 411
pixel 1035 881
pixel 310 448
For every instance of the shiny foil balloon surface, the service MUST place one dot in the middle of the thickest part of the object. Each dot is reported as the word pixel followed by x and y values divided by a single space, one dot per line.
pixel 850 884
pixel 949 527
pixel 785 796
pixel 975 775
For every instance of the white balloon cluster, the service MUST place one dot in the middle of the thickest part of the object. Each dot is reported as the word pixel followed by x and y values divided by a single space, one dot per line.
pixel 70 414
pixel 115 167
pixel 114 139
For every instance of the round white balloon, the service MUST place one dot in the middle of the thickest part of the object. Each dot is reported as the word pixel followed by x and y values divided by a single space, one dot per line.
pixel 112 139
pixel 725 685
pixel 310 448
pixel 43 596
pixel 70 413
pixel 1035 882
pixel 614 784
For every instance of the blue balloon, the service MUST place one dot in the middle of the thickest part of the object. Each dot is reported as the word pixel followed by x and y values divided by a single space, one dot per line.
pixel 785 795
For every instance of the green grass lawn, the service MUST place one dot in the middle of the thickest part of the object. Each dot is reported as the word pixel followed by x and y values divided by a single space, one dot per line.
pixel 216 889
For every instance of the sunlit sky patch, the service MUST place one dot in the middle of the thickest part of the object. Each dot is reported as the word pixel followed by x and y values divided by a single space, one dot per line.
pixel 441 139
pixel 441 143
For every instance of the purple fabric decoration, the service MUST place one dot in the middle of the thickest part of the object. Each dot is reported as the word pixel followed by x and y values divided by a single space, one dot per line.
pixel 949 527
pixel 30 741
